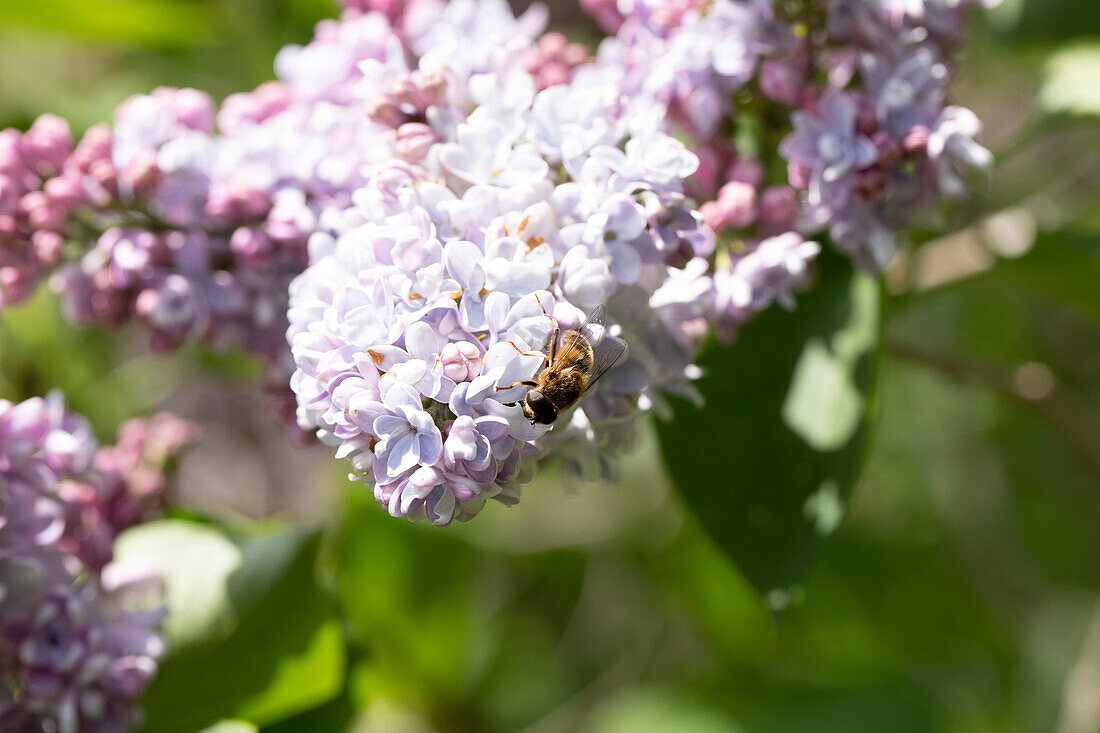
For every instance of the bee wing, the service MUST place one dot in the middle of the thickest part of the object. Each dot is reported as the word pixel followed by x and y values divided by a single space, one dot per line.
pixel 608 354
pixel 595 326
pixel 592 329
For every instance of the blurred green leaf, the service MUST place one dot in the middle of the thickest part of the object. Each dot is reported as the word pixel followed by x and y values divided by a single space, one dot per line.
pixel 39 351
pixel 1070 81
pixel 720 599
pixel 1063 266
pixel 902 708
pixel 146 22
pixel 332 717
pixel 656 711
pixel 768 463
pixel 231 726
pixel 248 630
pixel 403 589
pixel 1042 22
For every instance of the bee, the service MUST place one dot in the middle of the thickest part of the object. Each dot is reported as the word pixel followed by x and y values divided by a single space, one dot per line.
pixel 573 362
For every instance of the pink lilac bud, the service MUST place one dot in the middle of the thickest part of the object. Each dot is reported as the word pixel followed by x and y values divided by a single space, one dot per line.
pixel 263 103
pixel 236 202
pixel 383 111
pixel 142 175
pixel 605 13
pixel 553 59
pixel 47 247
pixel 46 145
pixel 67 190
pixel 781 80
pixel 42 212
pixel 746 170
pixel 461 361
pixel 251 246
pixel 778 206
pixel 145 449
pixel 406 94
pixel 193 109
pixel 94 146
pixel 917 140
pixel 799 175
pixel 433 85
pixel 414 140
pixel 734 208
pixel 290 221
pixel 104 173
pixel 16 285
pixel 392 9
pixel 11 159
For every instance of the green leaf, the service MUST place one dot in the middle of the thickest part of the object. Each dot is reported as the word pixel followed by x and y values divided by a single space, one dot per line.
pixel 1064 266
pixel 231 726
pixel 719 598
pixel 1069 82
pixel 248 631
pixel 170 23
pixel 768 463
pixel 404 591
pixel 656 710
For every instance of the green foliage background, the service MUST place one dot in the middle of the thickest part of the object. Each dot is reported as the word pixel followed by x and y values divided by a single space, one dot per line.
pixel 957 406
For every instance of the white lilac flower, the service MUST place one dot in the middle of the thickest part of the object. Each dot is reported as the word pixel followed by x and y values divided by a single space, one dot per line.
pixel 437 293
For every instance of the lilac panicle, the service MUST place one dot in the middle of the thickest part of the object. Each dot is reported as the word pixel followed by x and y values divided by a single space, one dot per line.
pixel 384 224
pixel 78 632
pixel 526 189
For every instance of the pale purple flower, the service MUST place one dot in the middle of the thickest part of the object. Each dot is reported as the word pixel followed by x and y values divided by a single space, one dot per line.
pixel 951 146
pixel 908 93
pixel 78 636
pixel 474 445
pixel 830 147
pixel 407 434
pixel 770 272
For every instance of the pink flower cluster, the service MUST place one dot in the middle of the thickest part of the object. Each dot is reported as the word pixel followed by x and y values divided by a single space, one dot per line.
pixel 44 184
pixel 78 632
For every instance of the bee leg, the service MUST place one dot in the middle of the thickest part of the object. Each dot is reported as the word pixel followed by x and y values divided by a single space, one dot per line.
pixel 530 353
pixel 552 346
pixel 524 383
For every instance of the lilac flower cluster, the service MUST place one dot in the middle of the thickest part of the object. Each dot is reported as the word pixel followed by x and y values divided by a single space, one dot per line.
pixel 445 172
pixel 43 183
pixel 78 632
pixel 863 83
pixel 425 301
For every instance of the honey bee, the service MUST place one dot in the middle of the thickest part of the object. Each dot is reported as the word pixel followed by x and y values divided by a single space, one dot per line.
pixel 574 361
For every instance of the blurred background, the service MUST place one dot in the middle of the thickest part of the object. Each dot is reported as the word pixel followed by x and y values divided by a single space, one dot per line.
pixel 959 593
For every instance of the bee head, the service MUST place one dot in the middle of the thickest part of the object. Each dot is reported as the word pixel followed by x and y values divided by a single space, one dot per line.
pixel 538 409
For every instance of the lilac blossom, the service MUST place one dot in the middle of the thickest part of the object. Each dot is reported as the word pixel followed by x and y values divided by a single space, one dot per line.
pixel 766 273
pixel 78 632
pixel 830 148
pixel 436 295
pixel 864 91
pixel 429 187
